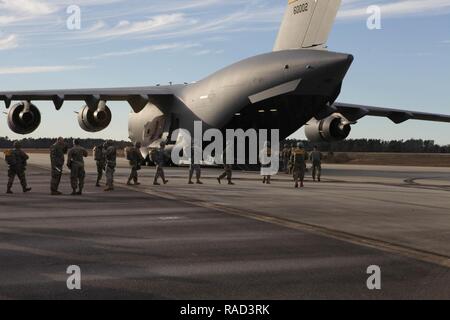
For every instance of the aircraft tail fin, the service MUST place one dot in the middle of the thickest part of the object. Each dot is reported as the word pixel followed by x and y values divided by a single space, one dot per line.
pixel 307 24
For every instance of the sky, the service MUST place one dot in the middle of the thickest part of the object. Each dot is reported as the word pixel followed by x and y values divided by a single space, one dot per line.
pixel 405 64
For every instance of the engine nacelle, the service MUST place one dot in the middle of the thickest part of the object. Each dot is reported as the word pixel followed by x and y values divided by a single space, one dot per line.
pixel 24 118
pixel 331 129
pixel 95 120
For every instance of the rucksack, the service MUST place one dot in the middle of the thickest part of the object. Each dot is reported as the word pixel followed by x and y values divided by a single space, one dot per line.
pixel 10 158
pixel 129 153
pixel 98 153
pixel 299 156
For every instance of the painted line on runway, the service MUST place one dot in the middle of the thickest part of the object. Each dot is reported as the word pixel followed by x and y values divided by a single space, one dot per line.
pixel 417 254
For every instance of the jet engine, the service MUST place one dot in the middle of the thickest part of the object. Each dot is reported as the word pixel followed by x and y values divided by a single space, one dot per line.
pixel 24 118
pixel 334 128
pixel 92 120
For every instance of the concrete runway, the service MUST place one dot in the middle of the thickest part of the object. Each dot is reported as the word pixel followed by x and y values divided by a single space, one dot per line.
pixel 248 241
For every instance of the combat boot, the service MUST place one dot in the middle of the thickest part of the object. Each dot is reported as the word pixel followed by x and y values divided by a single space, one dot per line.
pixel 8 191
pixel 74 192
pixel 56 193
pixel 25 190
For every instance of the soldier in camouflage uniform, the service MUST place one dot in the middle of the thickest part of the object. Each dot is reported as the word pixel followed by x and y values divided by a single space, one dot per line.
pixel 110 153
pixel 316 159
pixel 135 157
pixel 57 152
pixel 75 162
pixel 99 158
pixel 17 161
pixel 298 160
pixel 158 157
pixel 228 170
pixel 194 166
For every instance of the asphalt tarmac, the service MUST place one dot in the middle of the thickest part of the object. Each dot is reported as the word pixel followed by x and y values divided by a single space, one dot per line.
pixel 248 241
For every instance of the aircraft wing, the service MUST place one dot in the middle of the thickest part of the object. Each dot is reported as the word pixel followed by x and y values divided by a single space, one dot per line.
pixel 354 112
pixel 136 97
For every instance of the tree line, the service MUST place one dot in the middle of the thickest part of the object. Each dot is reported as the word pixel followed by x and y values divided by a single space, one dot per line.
pixel 378 145
pixel 352 145
pixel 45 143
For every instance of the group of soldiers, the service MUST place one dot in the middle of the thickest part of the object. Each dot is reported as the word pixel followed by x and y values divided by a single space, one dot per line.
pixel 17 162
pixel 104 155
pixel 293 161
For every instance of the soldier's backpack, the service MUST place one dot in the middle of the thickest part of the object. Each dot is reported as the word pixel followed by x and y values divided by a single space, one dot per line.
pixel 129 153
pixel 299 156
pixel 10 158
pixel 98 153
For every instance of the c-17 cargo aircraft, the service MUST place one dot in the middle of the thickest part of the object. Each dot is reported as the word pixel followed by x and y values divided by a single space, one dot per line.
pixel 295 85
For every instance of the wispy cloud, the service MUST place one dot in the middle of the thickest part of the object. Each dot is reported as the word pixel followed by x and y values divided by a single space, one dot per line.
pixel 127 28
pixel 208 52
pixel 148 49
pixel 358 8
pixel 38 69
pixel 8 42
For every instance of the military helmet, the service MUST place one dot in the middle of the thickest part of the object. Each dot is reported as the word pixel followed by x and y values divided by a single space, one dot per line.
pixel 17 144
pixel 137 145
pixel 300 145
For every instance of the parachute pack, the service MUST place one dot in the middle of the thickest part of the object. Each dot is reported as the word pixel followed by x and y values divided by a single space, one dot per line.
pixel 98 153
pixel 10 158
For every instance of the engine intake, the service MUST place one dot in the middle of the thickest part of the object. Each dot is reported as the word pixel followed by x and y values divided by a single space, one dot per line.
pixel 24 118
pixel 95 120
pixel 331 129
